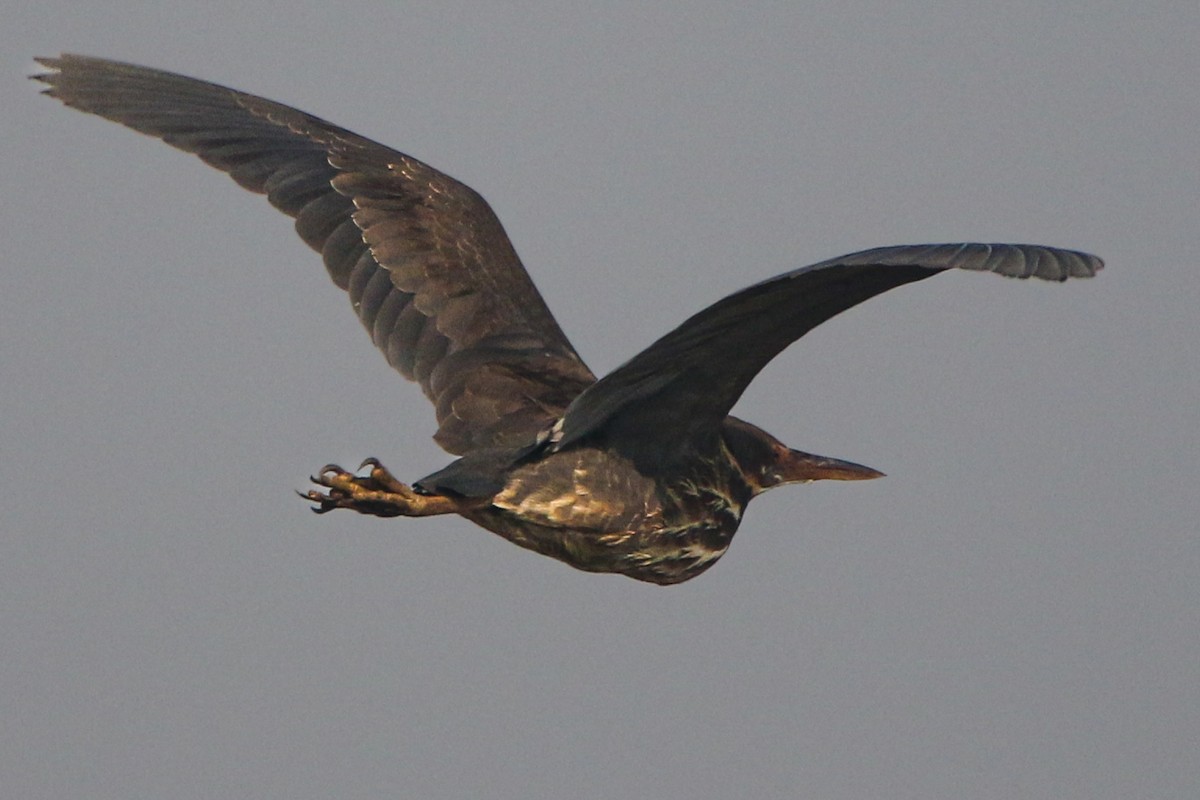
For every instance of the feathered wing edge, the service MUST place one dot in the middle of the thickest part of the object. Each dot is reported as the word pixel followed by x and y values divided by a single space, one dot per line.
pixel 684 385
pixel 427 265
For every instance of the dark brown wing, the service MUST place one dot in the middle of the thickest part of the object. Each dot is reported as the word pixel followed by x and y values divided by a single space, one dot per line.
pixel 684 385
pixel 429 269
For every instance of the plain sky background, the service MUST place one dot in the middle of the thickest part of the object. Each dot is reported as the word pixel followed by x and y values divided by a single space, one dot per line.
pixel 1013 613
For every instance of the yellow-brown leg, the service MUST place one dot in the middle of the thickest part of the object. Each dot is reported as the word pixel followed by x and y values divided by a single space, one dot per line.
pixel 379 493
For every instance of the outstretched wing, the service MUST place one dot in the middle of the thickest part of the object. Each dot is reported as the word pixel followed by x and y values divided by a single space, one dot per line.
pixel 428 267
pixel 683 386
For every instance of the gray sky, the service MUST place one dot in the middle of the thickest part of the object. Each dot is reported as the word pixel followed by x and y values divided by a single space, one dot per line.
pixel 1012 613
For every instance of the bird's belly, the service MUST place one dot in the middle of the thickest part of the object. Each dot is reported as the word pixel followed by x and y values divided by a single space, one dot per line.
pixel 662 555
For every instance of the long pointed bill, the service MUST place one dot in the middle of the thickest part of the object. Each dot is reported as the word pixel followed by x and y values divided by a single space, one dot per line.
pixel 802 466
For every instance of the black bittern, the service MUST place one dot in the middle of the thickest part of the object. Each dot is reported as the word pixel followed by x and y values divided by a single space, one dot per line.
pixel 642 472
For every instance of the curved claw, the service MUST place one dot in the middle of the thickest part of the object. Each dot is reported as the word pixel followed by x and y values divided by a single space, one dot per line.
pixel 324 502
pixel 370 461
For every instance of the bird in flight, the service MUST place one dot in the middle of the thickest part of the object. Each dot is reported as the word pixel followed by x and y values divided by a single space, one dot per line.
pixel 642 472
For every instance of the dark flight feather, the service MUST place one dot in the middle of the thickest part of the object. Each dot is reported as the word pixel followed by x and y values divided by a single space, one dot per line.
pixel 428 267
pixel 681 388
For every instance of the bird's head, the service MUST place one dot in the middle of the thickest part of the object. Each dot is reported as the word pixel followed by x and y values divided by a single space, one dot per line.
pixel 767 462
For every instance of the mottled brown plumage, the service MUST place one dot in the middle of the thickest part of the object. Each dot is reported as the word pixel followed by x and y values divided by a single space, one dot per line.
pixel 642 472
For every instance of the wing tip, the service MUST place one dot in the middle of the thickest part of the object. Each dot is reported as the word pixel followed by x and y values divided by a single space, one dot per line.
pixel 1019 261
pixel 45 69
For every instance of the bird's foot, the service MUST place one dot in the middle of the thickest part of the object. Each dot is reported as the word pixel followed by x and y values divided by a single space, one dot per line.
pixel 378 493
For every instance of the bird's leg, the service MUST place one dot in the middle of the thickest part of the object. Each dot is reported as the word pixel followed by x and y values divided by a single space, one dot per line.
pixel 379 493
